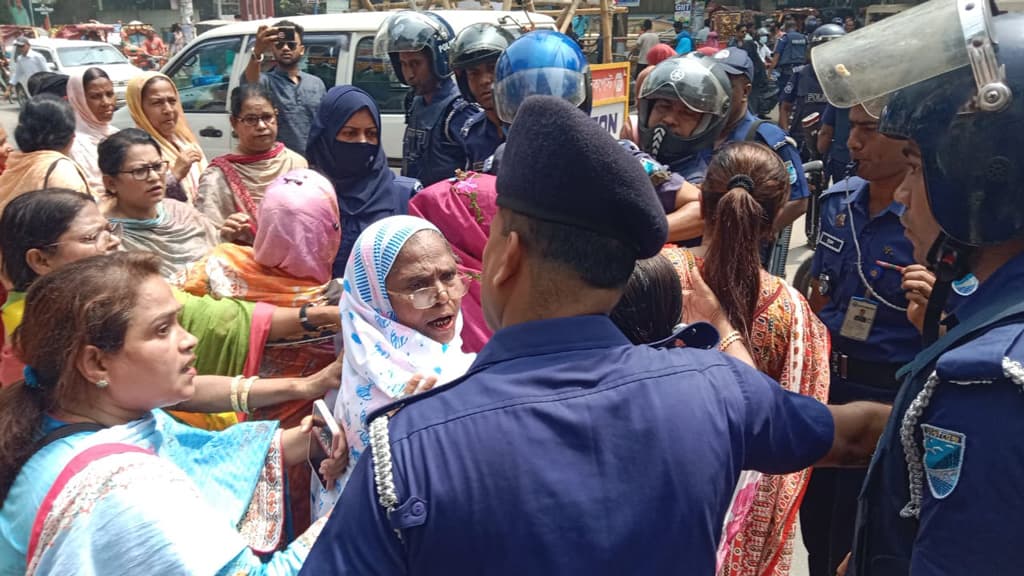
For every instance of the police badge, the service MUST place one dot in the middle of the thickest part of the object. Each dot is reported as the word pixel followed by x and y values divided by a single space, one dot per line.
pixel 943 459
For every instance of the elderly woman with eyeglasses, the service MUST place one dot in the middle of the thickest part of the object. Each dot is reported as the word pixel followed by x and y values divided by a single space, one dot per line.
pixel 232 187
pixel 134 175
pixel 401 324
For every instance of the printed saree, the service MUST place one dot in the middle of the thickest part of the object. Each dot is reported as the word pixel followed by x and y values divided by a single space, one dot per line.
pixel 154 496
pixel 236 182
pixel 790 344
pixel 179 235
pixel 231 271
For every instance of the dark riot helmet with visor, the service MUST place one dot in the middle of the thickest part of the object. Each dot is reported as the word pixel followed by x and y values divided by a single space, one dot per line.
pixel 411 31
pixel 477 44
pixel 961 103
pixel 703 87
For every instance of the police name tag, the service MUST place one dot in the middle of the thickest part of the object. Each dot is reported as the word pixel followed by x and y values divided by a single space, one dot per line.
pixel 831 242
pixel 860 317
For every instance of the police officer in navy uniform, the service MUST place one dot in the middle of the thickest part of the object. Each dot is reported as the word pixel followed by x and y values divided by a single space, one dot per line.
pixel 858 294
pixel 418 44
pixel 942 494
pixel 565 449
pixel 742 125
pixel 790 52
pixel 802 96
pixel 682 109
pixel 473 58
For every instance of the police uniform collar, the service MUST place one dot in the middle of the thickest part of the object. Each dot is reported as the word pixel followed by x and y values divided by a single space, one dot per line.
pixel 859 197
pixel 549 336
pixel 739 132
pixel 1009 276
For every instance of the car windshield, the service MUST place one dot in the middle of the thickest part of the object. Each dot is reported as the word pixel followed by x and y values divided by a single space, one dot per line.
pixel 89 56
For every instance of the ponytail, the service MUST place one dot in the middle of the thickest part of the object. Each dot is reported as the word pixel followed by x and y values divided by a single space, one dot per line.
pixel 745 187
pixel 732 265
pixel 21 422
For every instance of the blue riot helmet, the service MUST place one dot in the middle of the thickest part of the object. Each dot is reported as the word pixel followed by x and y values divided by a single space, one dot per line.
pixel 701 85
pixel 960 102
pixel 541 62
pixel 477 44
pixel 410 31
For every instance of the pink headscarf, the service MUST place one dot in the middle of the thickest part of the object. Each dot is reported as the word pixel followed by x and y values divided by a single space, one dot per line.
pixel 462 210
pixel 300 227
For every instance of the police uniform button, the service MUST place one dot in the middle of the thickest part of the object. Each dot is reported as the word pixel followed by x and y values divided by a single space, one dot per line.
pixel 418 509
pixel 874 273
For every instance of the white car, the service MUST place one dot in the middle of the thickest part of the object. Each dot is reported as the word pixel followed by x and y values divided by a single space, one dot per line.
pixel 76 56
pixel 339 50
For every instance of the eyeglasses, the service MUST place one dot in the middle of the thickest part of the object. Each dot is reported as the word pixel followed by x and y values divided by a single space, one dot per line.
pixel 290 45
pixel 142 172
pixel 109 231
pixel 267 119
pixel 427 297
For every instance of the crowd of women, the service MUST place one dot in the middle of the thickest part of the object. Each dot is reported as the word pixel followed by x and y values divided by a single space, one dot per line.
pixel 169 321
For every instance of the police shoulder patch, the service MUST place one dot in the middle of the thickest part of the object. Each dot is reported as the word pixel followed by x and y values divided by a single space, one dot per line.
pixel 943 459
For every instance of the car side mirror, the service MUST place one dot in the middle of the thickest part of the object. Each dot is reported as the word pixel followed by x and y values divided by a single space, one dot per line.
pixel 52 66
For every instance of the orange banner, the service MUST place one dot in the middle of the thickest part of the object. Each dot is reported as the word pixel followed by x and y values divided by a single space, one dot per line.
pixel 610 82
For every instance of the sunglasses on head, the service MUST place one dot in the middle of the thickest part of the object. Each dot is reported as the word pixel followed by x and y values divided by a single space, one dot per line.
pixel 290 45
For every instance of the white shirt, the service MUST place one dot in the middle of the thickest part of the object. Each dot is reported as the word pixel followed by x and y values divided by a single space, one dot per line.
pixel 28 65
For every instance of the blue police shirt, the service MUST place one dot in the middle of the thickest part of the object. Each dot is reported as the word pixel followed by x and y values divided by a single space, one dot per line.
pixel 892 338
pixel 567 450
pixel 973 467
pixel 481 138
pixel 770 134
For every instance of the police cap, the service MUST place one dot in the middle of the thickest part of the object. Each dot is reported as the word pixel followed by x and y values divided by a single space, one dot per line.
pixel 560 166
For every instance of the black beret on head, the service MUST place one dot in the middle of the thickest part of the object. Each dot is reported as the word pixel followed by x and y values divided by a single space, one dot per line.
pixel 562 167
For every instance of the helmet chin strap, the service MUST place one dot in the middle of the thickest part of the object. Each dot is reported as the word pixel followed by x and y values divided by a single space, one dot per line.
pixel 948 259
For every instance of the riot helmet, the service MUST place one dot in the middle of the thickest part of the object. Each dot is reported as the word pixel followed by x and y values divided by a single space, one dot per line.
pixel 477 44
pixel 703 87
pixel 825 33
pixel 763 36
pixel 959 102
pixel 541 62
pixel 411 31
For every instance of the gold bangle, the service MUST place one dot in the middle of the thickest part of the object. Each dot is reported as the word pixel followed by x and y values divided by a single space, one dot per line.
pixel 234 393
pixel 245 394
pixel 729 340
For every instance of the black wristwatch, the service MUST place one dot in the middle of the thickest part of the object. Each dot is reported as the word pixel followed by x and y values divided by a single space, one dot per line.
pixel 304 320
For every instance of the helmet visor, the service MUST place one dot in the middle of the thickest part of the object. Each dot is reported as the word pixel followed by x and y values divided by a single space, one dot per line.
pixel 510 92
pixel 690 81
pixel 405 32
pixel 883 57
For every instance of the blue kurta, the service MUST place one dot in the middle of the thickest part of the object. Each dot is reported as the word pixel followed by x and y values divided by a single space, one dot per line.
pixel 567 450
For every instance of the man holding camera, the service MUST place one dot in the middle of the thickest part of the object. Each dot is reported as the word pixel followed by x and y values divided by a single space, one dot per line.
pixel 296 94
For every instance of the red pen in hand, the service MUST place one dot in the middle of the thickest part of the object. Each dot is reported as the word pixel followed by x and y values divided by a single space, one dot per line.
pixel 889 266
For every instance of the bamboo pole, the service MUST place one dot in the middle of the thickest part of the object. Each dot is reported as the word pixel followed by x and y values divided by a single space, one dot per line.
pixel 565 20
pixel 368 5
pixel 606 31
pixel 506 5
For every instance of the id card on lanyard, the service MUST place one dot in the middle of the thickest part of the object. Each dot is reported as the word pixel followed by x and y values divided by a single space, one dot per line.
pixel 860 317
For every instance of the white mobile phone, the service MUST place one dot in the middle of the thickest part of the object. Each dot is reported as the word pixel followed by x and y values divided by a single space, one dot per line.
pixel 321 439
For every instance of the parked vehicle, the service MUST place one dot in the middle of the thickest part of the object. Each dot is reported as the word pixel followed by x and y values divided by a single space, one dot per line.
pixel 339 50
pixel 75 56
